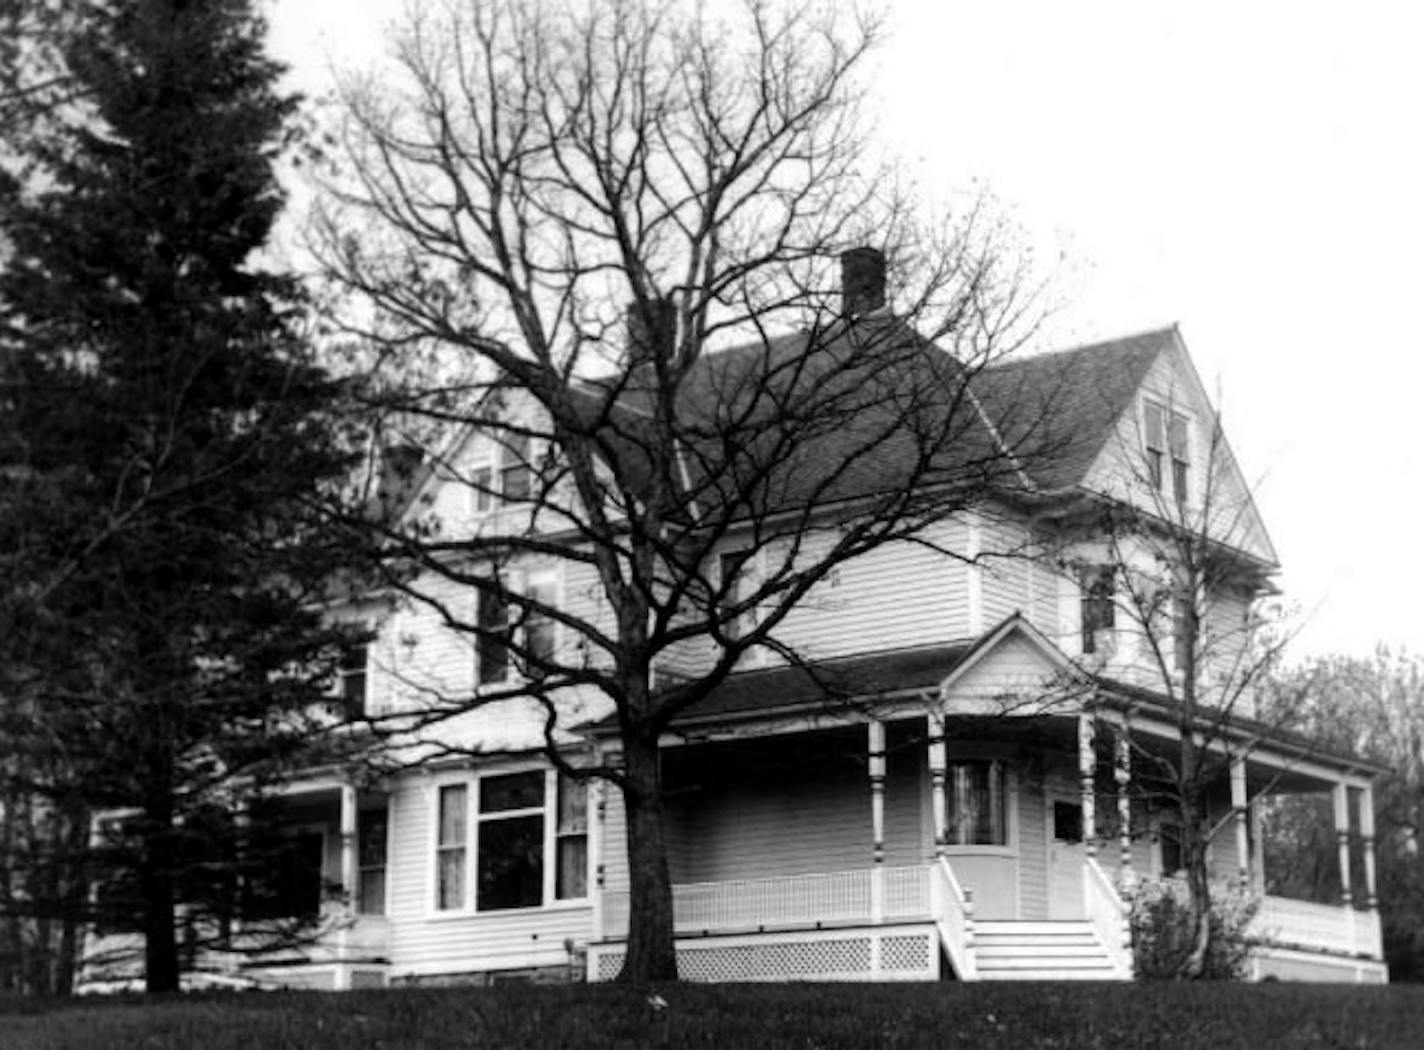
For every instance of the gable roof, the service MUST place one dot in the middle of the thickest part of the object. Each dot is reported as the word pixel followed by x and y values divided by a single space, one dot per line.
pixel 1071 399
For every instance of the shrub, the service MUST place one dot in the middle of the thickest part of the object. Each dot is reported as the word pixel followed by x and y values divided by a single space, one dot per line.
pixel 1162 932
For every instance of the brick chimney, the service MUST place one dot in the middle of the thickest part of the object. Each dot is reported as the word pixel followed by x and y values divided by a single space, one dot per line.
pixel 862 281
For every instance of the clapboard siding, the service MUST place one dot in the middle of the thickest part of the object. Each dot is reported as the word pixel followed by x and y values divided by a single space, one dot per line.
pixel 782 807
pixel 896 596
pixel 1033 852
pixel 424 942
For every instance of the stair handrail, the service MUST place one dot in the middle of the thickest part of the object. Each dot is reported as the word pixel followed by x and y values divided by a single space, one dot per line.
pixel 1108 913
pixel 953 908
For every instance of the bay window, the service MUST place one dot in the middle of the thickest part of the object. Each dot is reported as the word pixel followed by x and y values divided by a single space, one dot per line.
pixel 529 836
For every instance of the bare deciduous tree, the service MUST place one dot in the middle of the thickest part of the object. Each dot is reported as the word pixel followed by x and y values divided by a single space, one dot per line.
pixel 1185 570
pixel 604 238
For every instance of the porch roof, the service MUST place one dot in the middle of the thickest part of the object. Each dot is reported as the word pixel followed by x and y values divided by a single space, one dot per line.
pixel 1124 694
pixel 828 684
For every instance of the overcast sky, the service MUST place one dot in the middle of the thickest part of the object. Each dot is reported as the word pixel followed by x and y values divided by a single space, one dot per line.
pixel 1252 171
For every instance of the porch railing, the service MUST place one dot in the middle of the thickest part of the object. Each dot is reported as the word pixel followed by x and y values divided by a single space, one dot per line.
pixel 953 910
pixel 1107 912
pixel 1320 927
pixel 788 900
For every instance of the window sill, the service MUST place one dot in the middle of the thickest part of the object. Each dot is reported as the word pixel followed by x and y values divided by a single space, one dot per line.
pixel 981 851
pixel 453 914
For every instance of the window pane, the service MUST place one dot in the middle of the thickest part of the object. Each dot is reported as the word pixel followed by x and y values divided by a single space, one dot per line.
pixel 539 630
pixel 573 867
pixel 1068 822
pixel 976 804
pixel 371 894
pixel 371 848
pixel 481 484
pixel 730 569
pixel 573 805
pixel 511 863
pixel 452 815
pixel 518 475
pixel 512 791
pixel 492 648
pixel 450 886
pixel 1152 417
pixel 1177 437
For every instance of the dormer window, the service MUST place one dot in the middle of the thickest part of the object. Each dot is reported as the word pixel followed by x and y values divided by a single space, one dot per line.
pixel 1167 446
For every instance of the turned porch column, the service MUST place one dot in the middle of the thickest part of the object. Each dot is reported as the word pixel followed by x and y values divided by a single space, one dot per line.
pixel 1122 773
pixel 875 742
pixel 342 978
pixel 1341 797
pixel 1367 835
pixel 939 806
pixel 348 848
pixel 1087 771
pixel 598 805
pixel 1238 810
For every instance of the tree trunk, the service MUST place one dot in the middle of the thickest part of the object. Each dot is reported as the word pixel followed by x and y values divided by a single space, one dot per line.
pixel 1199 892
pixel 651 954
pixel 160 948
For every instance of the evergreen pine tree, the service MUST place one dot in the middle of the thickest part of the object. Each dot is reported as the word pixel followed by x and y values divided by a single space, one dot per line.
pixel 167 444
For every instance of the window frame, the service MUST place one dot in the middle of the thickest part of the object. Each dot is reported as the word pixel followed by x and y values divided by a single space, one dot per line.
pixel 955 824
pixel 1167 448
pixel 363 869
pixel 748 565
pixel 470 905
pixel 1097 608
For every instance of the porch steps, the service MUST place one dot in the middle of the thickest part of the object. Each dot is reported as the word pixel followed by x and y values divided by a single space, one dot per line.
pixel 1021 950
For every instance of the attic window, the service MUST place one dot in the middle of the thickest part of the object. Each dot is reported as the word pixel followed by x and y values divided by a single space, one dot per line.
pixel 1166 442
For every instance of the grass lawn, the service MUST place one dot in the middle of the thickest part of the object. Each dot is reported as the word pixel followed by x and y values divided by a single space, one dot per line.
pixel 766 1017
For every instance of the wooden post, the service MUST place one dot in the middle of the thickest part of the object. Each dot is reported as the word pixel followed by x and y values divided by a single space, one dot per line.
pixel 598 804
pixel 1123 774
pixel 1341 795
pixel 1087 773
pixel 342 977
pixel 348 848
pixel 938 804
pixel 1238 809
pixel 1367 834
pixel 1258 847
pixel 875 738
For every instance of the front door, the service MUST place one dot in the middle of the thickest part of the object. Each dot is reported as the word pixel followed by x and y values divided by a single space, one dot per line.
pixel 1066 856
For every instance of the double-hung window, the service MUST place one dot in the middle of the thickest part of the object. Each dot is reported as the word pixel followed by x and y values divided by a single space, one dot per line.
pixel 492 639
pixel 1098 609
pixel 526 842
pixel 350 689
pixel 510 841
pixel 451 847
pixel 736 581
pixel 1167 447
pixel 371 862
pixel 502 472
pixel 540 636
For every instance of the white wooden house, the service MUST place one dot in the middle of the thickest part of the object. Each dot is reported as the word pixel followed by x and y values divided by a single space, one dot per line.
pixel 963 808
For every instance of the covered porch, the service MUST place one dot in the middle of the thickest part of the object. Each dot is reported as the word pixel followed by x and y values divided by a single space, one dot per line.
pixel 901 843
